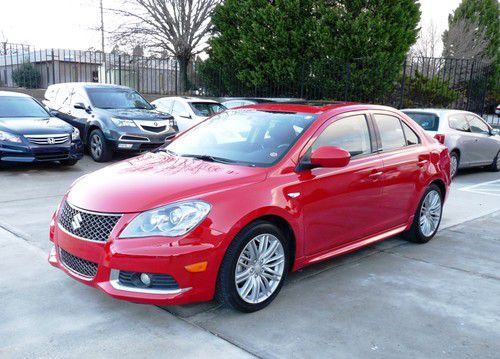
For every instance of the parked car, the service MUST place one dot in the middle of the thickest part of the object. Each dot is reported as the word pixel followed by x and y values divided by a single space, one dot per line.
pixel 188 111
pixel 110 118
pixel 238 102
pixel 471 141
pixel 29 133
pixel 206 216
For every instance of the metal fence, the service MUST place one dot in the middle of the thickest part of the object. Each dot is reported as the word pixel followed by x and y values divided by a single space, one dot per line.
pixel 417 82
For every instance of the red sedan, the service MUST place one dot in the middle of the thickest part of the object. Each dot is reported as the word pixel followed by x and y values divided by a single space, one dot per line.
pixel 231 206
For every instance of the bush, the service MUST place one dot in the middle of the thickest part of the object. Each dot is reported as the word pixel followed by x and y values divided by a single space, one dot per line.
pixel 421 91
pixel 27 76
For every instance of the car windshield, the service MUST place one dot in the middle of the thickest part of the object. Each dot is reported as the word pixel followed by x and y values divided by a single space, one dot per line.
pixel 112 98
pixel 13 106
pixel 429 121
pixel 248 137
pixel 206 109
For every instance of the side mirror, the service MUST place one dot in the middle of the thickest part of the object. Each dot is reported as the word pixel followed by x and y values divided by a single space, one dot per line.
pixel 153 106
pixel 54 113
pixel 79 106
pixel 495 131
pixel 330 156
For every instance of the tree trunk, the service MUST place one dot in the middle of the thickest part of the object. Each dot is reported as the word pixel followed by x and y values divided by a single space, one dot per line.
pixel 183 74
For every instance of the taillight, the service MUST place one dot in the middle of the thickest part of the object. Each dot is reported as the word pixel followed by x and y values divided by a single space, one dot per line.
pixel 439 138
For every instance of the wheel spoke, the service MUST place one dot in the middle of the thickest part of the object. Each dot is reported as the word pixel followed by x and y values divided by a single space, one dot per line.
pixel 243 276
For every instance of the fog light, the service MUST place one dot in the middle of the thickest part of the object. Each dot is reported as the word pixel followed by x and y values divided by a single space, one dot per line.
pixel 146 279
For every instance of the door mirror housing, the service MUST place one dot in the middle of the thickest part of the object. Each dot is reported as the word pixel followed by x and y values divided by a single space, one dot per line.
pixel 495 131
pixel 185 115
pixel 54 113
pixel 79 106
pixel 330 156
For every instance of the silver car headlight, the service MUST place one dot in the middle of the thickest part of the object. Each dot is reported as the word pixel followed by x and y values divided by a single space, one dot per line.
pixel 173 220
pixel 75 135
pixel 123 122
pixel 10 137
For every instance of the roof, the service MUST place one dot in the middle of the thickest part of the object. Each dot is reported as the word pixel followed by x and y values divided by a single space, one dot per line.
pixel 316 108
pixel 91 85
pixel 188 98
pixel 441 112
pixel 12 94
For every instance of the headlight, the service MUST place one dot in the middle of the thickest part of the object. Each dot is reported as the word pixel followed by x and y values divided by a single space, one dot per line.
pixel 75 135
pixel 9 137
pixel 123 123
pixel 173 220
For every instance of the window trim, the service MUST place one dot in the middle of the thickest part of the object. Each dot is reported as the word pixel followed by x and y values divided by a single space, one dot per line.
pixel 331 120
pixel 401 121
pixel 456 129
pixel 473 115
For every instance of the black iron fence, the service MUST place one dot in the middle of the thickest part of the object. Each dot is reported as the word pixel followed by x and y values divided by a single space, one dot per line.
pixel 416 82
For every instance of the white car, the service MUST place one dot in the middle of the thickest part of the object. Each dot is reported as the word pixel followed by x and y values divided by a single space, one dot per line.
pixel 188 111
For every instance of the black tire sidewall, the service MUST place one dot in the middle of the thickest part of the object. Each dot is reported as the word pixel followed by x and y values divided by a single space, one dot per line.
pixel 226 288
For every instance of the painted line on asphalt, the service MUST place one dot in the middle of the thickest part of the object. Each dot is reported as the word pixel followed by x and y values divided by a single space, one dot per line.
pixel 487 188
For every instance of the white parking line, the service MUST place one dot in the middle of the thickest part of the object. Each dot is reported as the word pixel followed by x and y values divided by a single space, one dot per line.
pixel 489 188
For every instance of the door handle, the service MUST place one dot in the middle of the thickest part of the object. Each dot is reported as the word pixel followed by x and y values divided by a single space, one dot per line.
pixel 375 175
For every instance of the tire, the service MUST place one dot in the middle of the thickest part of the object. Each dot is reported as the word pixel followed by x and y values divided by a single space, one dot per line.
pixel 495 166
pixel 99 149
pixel 419 233
pixel 228 292
pixel 454 163
pixel 69 162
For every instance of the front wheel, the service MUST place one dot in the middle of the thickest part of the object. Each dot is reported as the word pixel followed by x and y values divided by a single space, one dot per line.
pixel 427 217
pixel 254 268
pixel 99 148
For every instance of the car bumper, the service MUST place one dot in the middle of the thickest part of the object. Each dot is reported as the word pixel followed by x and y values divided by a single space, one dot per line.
pixel 139 141
pixel 157 255
pixel 41 153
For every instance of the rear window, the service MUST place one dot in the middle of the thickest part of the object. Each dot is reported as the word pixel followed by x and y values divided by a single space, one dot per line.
pixel 428 121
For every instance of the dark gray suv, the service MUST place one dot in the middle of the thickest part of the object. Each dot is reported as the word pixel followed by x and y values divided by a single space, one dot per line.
pixel 110 118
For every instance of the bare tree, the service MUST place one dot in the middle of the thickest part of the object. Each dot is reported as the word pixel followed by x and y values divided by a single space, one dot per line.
pixel 179 27
pixel 427 42
pixel 465 40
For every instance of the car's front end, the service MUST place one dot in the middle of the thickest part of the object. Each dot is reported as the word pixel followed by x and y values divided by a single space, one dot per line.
pixel 38 140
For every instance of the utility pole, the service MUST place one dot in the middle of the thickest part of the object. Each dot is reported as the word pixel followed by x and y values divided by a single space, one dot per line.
pixel 102 27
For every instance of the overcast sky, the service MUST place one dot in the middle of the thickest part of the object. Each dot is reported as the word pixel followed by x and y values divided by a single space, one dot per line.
pixel 72 24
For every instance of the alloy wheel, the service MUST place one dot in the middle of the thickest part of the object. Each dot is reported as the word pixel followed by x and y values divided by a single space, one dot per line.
pixel 430 213
pixel 96 146
pixel 260 268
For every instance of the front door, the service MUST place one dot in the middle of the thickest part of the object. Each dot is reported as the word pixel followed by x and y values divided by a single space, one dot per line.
pixel 340 204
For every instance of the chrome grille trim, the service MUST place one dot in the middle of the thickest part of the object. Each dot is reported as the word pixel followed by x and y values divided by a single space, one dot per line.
pixel 48 139
pixel 162 126
pixel 92 226
pixel 81 267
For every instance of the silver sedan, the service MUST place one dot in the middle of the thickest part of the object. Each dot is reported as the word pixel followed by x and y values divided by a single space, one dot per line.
pixel 471 141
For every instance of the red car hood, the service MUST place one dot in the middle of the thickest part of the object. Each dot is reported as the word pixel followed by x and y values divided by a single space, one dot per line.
pixel 156 179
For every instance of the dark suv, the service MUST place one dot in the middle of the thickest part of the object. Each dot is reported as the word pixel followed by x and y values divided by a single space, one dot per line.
pixel 110 118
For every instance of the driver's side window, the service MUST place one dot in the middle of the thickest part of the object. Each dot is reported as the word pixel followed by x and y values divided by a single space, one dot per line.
pixel 349 133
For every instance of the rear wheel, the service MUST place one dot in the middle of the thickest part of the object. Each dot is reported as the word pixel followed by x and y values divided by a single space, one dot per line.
pixel 99 148
pixel 495 166
pixel 254 268
pixel 454 163
pixel 427 217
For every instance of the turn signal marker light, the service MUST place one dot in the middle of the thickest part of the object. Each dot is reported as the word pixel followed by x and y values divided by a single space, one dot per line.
pixel 197 267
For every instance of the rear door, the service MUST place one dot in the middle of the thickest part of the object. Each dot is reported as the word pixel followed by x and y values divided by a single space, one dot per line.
pixel 340 205
pixel 405 161
pixel 484 148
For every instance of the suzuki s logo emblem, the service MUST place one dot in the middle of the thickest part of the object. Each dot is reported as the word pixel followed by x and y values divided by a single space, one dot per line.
pixel 51 141
pixel 77 221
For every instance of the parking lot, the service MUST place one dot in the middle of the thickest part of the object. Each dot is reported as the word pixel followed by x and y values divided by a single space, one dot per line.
pixel 393 298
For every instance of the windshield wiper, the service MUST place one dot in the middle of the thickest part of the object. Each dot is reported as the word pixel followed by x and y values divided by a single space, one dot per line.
pixel 209 158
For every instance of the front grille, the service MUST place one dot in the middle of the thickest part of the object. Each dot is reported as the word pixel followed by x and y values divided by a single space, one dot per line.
pixel 47 139
pixel 86 225
pixel 158 281
pixel 154 129
pixel 77 264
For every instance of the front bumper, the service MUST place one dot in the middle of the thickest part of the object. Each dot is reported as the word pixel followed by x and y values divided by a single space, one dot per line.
pixel 40 153
pixel 137 140
pixel 159 255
